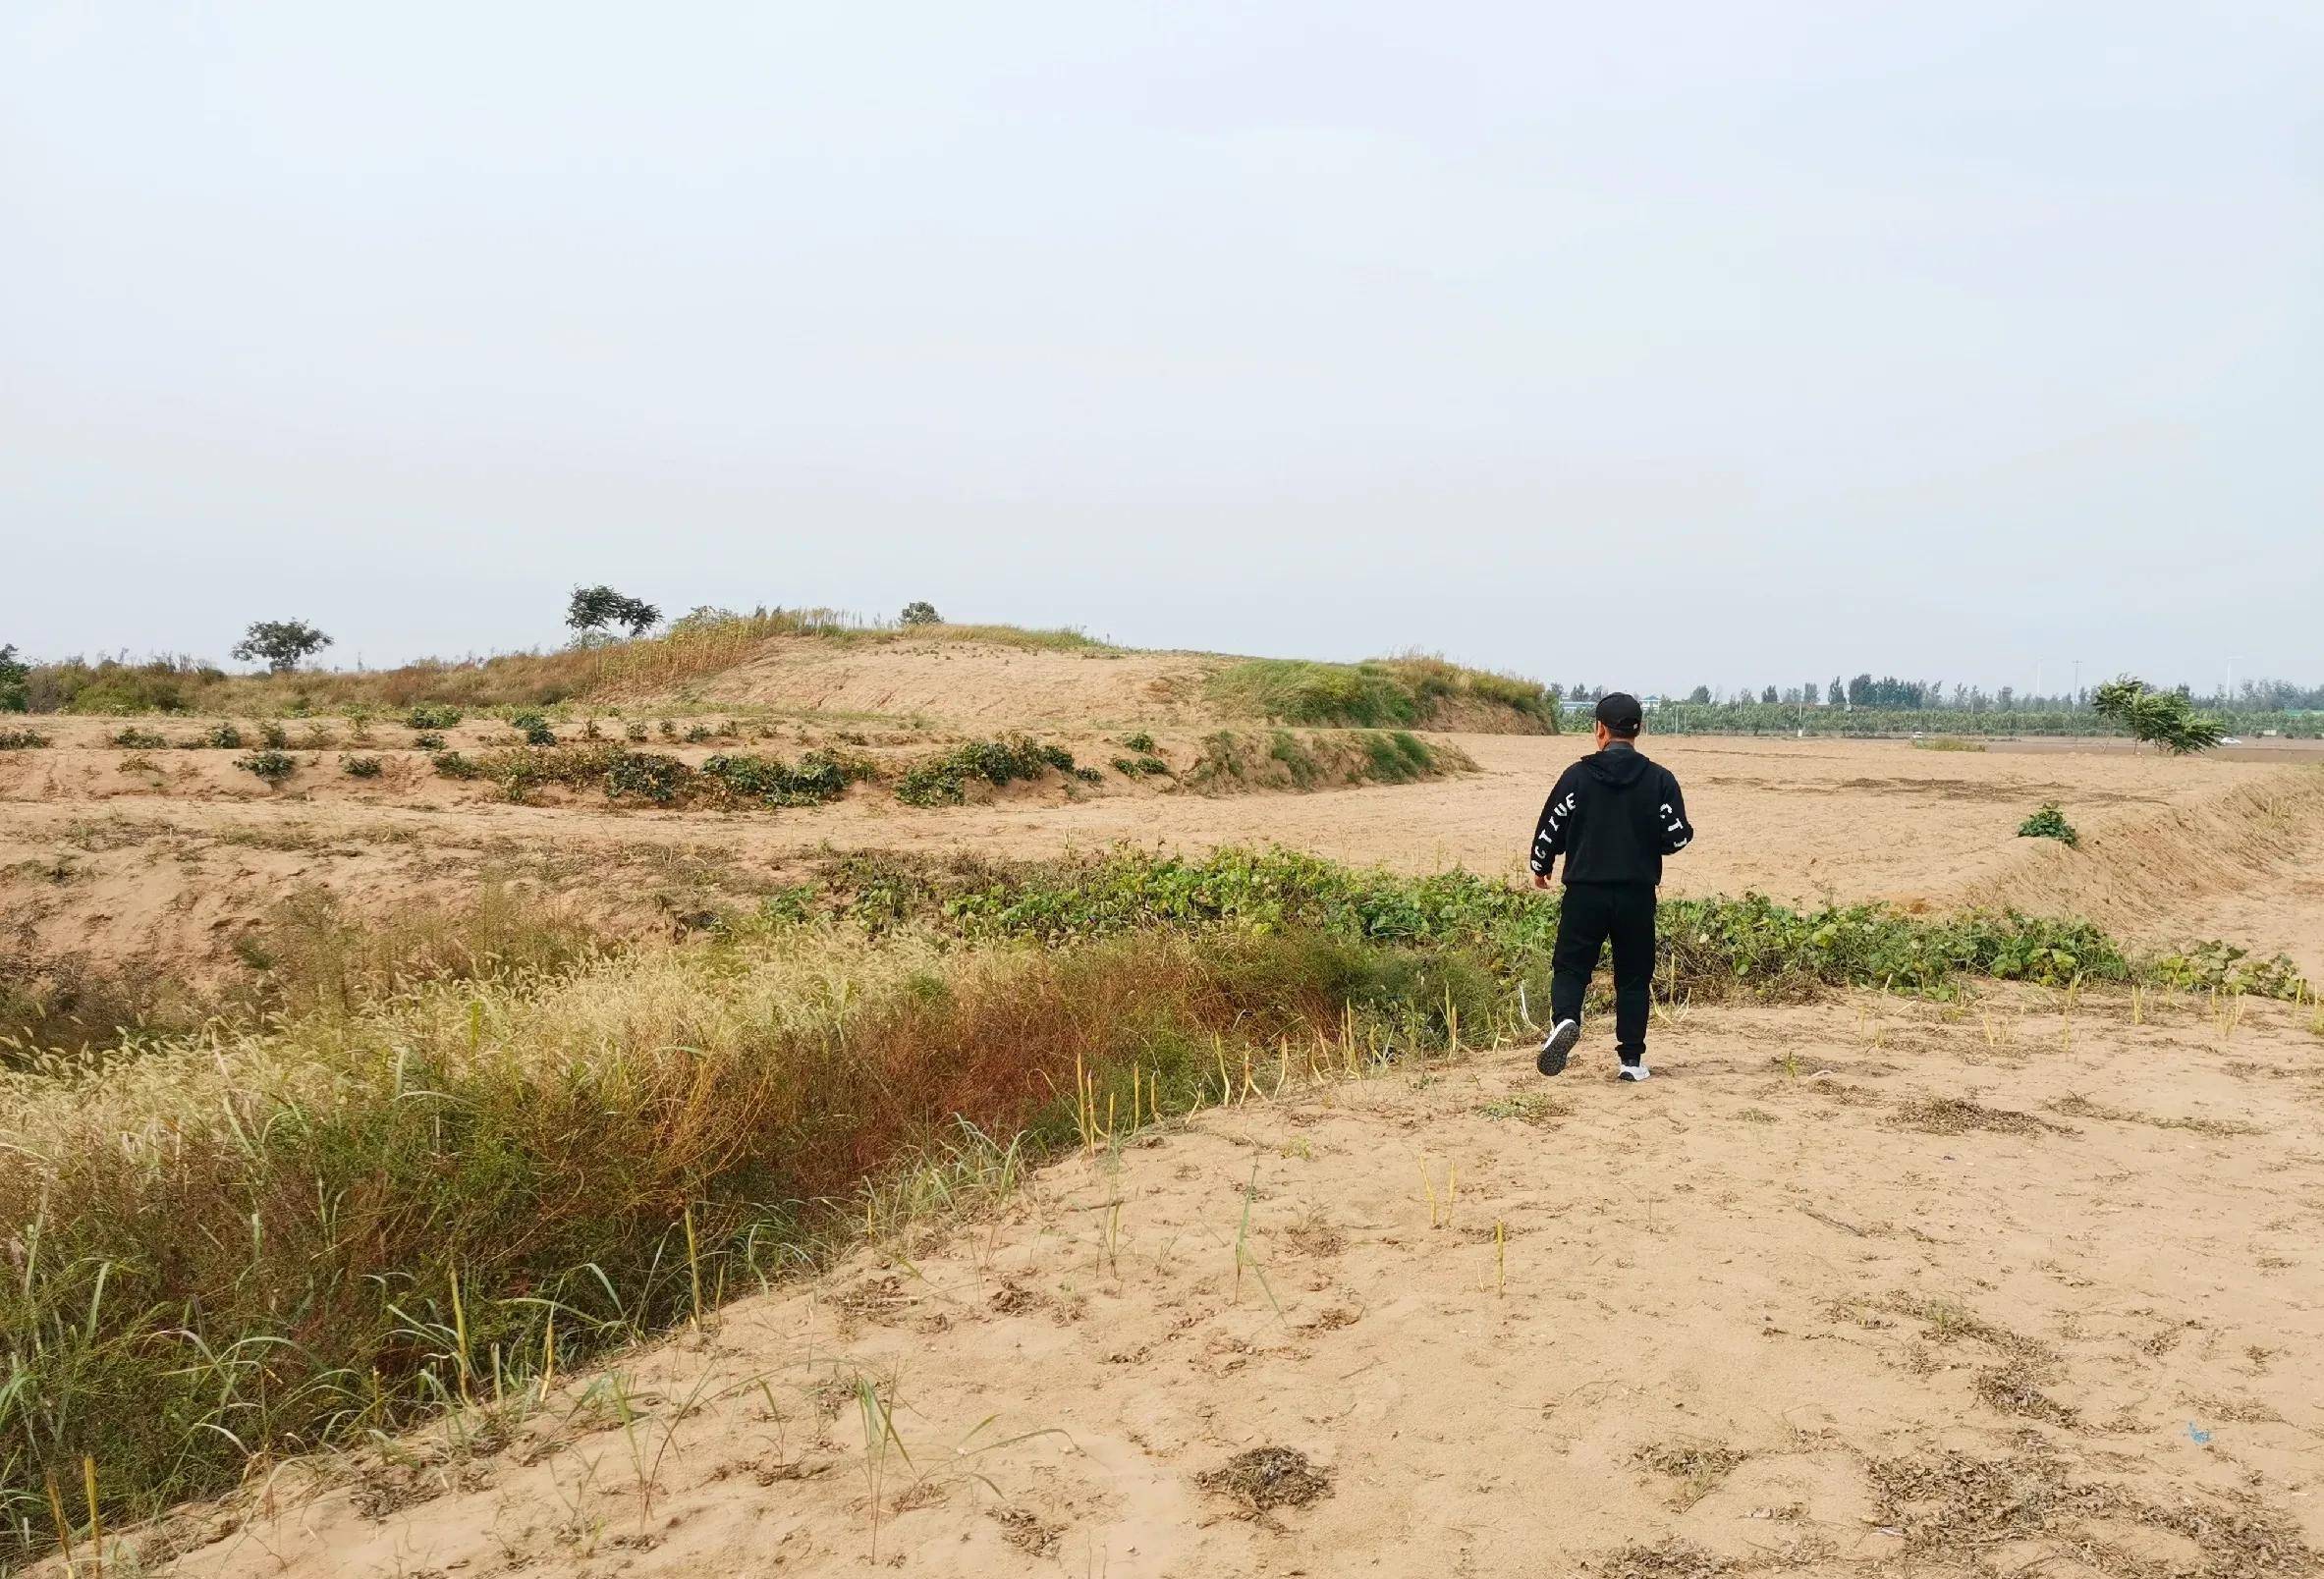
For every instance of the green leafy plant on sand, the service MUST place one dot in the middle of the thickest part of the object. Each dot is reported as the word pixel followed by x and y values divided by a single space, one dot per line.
pixel 275 767
pixel 943 779
pixel 22 739
pixel 2049 823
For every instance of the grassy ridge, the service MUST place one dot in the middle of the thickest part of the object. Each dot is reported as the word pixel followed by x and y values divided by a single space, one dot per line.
pixel 404 1194
pixel 1378 693
pixel 694 648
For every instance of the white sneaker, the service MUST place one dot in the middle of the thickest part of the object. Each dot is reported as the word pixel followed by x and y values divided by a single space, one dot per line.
pixel 1554 1048
pixel 1636 1071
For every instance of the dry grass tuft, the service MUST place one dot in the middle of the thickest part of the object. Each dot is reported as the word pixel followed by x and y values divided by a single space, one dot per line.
pixel 1026 1532
pixel 1957 1116
pixel 2077 1106
pixel 2013 1389
pixel 1674 1558
pixel 1266 1478
pixel 1698 1467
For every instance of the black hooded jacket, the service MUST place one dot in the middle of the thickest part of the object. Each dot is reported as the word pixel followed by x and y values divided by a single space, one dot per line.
pixel 1614 815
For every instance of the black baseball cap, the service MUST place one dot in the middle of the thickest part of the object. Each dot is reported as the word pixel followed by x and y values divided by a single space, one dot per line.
pixel 1619 711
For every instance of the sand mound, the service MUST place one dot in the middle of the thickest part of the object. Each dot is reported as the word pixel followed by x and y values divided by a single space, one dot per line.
pixel 973 682
pixel 2242 863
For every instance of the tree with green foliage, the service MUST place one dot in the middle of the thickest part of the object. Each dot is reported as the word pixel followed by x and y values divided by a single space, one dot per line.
pixel 278 644
pixel 13 673
pixel 600 608
pixel 920 613
pixel 2166 719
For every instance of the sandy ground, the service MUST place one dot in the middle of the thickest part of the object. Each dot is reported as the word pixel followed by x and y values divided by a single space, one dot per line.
pixel 114 865
pixel 1768 1313
pixel 967 682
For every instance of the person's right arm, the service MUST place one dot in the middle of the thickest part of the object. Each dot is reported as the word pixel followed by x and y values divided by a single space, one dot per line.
pixel 1549 833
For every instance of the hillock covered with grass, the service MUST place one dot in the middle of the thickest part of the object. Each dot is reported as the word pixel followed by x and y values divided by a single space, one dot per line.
pixel 1411 692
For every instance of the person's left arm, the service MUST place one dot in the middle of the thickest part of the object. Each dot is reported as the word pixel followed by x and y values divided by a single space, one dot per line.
pixel 1677 831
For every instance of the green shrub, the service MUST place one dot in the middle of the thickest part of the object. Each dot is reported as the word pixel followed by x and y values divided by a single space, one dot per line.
pixel 1285 747
pixel 645 775
pixel 273 766
pixel 131 739
pixel 360 767
pixel 274 736
pixel 533 728
pixel 22 739
pixel 428 741
pixel 220 737
pixel 1140 741
pixel 2049 823
pixel 1140 767
pixel 634 731
pixel 942 781
pixel 431 716
pixel 452 765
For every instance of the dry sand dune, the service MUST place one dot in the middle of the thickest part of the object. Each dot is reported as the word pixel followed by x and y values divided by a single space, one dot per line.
pixel 1965 1291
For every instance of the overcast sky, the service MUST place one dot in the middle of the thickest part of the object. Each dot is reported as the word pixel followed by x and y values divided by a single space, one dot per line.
pixel 1638 344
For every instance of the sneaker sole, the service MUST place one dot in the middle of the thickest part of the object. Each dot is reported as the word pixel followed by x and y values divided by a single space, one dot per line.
pixel 1553 1052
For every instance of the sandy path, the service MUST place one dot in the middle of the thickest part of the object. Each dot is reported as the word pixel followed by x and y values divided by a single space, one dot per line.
pixel 1726 1261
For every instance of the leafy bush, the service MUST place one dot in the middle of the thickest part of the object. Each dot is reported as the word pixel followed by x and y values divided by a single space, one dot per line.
pixel 2049 823
pixel 131 739
pixel 273 766
pixel 1140 767
pixel 274 736
pixel 14 673
pixel 360 767
pixel 220 737
pixel 431 716
pixel 1140 741
pixel 919 614
pixel 943 781
pixel 533 728
pixel 22 739
pixel 452 765
pixel 634 731
pixel 428 741
pixel 817 777
pixel 2218 968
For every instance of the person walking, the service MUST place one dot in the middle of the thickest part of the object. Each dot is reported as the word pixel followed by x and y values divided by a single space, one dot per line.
pixel 1613 815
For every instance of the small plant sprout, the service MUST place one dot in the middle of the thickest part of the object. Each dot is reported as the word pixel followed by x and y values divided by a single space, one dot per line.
pixel 1500 1257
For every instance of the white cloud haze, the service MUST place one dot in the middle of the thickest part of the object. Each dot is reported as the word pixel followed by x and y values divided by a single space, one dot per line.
pixel 1646 344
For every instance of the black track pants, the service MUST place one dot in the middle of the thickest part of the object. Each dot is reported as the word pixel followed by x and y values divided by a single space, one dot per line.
pixel 1593 914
